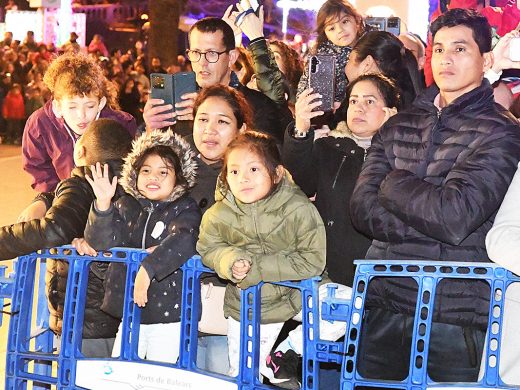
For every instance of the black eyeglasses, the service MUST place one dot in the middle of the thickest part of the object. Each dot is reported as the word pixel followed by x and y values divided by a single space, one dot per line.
pixel 211 56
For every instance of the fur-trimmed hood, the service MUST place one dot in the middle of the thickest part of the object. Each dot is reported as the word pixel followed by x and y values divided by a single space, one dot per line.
pixel 157 137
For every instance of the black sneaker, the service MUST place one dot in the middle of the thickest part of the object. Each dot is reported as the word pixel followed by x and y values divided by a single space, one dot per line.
pixel 283 369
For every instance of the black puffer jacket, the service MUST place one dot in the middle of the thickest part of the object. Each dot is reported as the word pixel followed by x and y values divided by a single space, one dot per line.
pixel 64 221
pixel 329 168
pixel 269 78
pixel 431 186
pixel 268 117
pixel 137 222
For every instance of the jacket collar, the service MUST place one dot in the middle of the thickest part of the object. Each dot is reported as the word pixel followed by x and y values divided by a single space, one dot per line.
pixel 482 96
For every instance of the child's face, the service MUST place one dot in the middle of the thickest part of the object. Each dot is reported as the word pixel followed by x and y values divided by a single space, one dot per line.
pixel 79 111
pixel 247 176
pixel 365 114
pixel 341 30
pixel 214 127
pixel 156 179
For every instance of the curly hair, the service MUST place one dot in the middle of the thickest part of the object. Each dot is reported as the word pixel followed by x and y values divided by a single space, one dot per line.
pixel 293 66
pixel 75 74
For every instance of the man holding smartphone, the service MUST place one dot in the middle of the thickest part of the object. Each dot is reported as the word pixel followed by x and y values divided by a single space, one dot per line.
pixel 212 54
pixel 429 190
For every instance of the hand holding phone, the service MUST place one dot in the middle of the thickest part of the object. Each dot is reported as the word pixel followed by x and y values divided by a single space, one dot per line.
pixel 245 4
pixel 172 90
pixel 306 108
pixel 322 78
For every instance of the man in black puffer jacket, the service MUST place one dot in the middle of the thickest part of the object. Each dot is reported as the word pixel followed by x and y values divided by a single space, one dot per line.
pixel 430 188
pixel 105 140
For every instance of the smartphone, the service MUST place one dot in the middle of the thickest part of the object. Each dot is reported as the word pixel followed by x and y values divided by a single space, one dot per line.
pixel 514 49
pixel 322 79
pixel 162 88
pixel 183 82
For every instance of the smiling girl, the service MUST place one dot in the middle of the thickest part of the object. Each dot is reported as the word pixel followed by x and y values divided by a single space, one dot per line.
pixel 262 228
pixel 156 214
pixel 81 94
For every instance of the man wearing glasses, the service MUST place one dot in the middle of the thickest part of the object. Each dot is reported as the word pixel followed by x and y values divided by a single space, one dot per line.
pixel 212 54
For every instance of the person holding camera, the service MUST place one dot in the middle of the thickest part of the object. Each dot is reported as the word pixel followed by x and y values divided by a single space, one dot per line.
pixel 212 54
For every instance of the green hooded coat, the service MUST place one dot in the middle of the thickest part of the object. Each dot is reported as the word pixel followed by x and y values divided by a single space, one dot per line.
pixel 282 236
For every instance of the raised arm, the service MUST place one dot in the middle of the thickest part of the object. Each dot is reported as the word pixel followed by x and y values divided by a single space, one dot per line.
pixel 64 221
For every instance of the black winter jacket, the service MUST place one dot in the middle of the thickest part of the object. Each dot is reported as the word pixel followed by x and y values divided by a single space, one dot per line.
pixel 430 189
pixel 136 222
pixel 269 78
pixel 329 168
pixel 268 117
pixel 64 221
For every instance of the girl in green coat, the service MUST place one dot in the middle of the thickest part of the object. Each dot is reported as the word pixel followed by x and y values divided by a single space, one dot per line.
pixel 262 228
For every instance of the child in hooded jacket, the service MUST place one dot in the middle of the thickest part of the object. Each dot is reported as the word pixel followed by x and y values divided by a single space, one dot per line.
pixel 262 228
pixel 157 214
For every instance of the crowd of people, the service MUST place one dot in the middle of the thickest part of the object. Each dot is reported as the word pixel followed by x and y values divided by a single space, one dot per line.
pixel 24 64
pixel 253 174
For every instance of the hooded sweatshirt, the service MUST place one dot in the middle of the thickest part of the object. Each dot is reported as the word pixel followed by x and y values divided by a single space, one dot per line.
pixel 134 221
pixel 47 145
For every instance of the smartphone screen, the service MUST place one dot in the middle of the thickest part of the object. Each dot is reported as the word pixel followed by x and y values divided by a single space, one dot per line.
pixel 162 88
pixel 322 79
pixel 183 82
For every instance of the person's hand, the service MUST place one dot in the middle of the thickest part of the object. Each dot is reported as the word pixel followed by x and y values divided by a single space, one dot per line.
pixel 230 18
pixel 240 269
pixel 252 25
pixel 83 247
pixel 184 109
pixel 388 113
pixel 151 249
pixel 104 189
pixel 142 282
pixel 154 114
pixel 306 103
pixel 35 210
pixel 501 53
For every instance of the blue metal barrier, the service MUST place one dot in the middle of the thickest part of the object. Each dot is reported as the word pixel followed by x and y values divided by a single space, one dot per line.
pixel 6 290
pixel 427 275
pixel 74 371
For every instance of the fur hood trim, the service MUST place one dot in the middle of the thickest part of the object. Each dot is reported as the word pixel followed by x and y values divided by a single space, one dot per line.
pixel 341 131
pixel 146 141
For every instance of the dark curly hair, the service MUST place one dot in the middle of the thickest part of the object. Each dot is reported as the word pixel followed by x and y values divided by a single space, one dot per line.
pixel 75 74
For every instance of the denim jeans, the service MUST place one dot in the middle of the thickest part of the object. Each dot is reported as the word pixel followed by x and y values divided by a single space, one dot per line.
pixel 212 354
